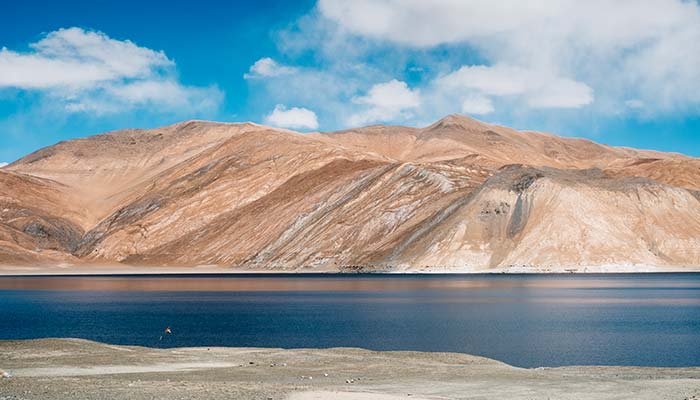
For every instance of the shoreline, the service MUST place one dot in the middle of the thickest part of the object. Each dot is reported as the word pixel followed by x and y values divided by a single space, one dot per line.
pixel 76 368
pixel 115 270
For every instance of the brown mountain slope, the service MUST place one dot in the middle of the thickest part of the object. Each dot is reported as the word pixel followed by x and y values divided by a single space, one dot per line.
pixel 457 136
pixel 552 219
pixel 459 195
pixel 104 169
pixel 676 172
pixel 39 219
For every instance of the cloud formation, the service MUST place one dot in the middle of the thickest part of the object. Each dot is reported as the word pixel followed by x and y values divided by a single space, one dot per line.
pixel 385 102
pixel 267 67
pixel 575 51
pixel 294 118
pixel 539 90
pixel 89 71
pixel 477 105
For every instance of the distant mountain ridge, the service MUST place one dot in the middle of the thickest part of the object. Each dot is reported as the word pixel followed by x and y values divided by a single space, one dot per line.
pixel 457 196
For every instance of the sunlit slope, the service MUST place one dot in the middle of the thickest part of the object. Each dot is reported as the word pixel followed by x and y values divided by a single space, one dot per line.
pixel 458 195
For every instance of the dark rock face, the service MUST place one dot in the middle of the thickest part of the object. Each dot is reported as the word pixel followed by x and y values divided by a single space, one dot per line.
pixel 525 181
pixel 36 229
pixel 54 234
pixel 495 209
pixel 695 193
pixel 518 219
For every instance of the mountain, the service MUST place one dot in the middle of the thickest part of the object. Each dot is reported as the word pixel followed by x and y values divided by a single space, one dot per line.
pixel 459 195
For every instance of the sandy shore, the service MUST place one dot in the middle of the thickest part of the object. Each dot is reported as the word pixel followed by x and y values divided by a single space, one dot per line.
pixel 79 369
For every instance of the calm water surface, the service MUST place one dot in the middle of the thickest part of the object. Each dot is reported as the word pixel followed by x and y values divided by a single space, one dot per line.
pixel 524 320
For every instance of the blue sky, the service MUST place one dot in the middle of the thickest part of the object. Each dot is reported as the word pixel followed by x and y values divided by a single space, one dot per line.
pixel 618 72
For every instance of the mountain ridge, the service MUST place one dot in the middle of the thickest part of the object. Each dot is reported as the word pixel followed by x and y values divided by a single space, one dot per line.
pixel 447 197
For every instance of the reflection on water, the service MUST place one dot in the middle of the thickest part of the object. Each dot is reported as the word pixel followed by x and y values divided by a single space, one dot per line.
pixel 525 320
pixel 327 282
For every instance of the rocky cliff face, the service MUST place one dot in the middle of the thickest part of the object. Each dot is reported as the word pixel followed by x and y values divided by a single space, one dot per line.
pixel 459 195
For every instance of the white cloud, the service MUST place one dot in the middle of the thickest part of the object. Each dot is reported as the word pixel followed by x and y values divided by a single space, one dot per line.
pixel 560 93
pixel 425 24
pixel 326 89
pixel 477 105
pixel 77 58
pixel 89 71
pixel 605 23
pixel 167 94
pixel 295 118
pixel 3 164
pixel 617 49
pixel 267 67
pixel 538 89
pixel 385 102
pixel 499 80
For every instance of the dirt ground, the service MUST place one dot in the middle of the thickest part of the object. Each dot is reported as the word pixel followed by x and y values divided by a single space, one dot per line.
pixel 79 369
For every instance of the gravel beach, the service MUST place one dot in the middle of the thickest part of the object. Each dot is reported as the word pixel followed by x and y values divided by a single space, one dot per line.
pixel 80 369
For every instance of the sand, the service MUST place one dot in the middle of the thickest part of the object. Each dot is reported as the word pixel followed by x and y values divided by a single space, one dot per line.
pixel 80 369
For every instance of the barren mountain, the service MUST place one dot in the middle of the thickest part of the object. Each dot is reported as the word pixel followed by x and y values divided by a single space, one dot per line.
pixel 458 195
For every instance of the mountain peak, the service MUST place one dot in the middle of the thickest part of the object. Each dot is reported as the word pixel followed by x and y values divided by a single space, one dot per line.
pixel 457 121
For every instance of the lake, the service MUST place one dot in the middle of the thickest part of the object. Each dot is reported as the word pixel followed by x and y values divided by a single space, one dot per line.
pixel 523 320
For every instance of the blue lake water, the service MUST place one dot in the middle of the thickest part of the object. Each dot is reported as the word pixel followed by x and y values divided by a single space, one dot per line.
pixel 524 320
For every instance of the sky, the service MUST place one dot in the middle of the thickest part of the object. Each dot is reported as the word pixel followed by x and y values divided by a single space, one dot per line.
pixel 620 72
